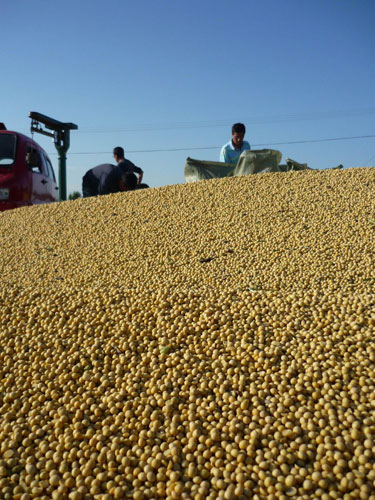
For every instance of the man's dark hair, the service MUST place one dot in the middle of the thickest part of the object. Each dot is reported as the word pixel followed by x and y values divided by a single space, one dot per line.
pixel 119 151
pixel 239 128
pixel 130 180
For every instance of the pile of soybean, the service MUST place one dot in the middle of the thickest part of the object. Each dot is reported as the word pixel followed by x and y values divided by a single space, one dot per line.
pixel 198 341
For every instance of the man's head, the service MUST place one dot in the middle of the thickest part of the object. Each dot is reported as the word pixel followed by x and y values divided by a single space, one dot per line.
pixel 238 134
pixel 118 153
pixel 127 182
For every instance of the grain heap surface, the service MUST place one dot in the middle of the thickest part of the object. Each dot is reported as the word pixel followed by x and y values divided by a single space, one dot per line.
pixel 201 341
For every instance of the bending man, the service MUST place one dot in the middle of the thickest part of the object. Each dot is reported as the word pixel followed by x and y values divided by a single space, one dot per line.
pixel 106 179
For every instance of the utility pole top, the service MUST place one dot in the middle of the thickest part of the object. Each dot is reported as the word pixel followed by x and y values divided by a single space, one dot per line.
pixel 61 138
pixel 51 123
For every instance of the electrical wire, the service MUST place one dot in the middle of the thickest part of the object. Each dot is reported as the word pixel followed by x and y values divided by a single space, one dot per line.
pixel 169 150
pixel 253 120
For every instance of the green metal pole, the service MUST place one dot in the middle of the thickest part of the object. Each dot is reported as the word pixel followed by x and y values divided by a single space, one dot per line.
pixel 62 174
pixel 62 143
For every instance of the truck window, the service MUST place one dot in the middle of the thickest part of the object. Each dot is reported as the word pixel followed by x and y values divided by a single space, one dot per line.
pixel 8 144
pixel 50 170
pixel 34 160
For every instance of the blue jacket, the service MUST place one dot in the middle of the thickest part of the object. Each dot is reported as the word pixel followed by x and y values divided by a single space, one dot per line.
pixel 229 154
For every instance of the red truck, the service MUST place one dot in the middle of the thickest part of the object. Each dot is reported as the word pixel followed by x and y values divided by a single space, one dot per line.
pixel 26 173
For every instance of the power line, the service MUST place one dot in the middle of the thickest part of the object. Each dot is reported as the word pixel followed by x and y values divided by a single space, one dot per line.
pixel 253 120
pixel 168 150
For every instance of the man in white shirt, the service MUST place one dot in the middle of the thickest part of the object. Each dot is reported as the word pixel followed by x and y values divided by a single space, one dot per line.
pixel 231 151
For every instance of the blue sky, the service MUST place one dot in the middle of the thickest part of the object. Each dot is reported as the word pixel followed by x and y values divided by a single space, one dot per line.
pixel 167 79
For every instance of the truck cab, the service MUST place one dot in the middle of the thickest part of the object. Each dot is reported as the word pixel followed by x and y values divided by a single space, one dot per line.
pixel 26 173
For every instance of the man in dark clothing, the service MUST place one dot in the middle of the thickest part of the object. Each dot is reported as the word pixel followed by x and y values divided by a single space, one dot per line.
pixel 126 165
pixel 107 178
